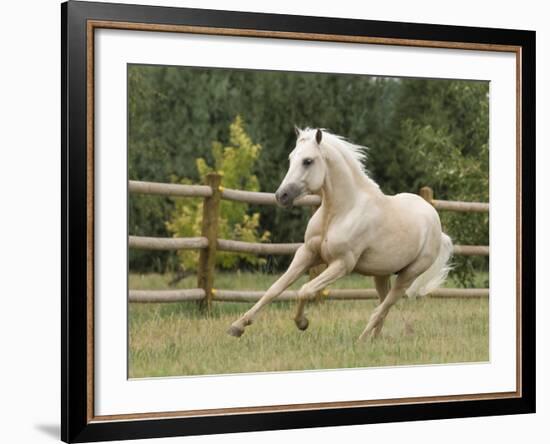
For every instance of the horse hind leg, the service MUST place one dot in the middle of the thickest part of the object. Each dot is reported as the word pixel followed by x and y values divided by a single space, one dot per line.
pixel 379 314
pixel 383 286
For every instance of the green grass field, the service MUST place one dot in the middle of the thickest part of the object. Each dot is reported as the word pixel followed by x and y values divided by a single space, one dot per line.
pixel 177 339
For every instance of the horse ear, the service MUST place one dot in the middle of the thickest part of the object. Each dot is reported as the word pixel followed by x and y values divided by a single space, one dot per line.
pixel 318 136
pixel 297 131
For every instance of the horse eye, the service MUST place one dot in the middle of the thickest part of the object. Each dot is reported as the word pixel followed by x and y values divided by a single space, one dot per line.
pixel 307 162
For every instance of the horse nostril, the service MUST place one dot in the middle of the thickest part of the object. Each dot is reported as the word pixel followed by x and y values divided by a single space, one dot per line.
pixel 284 197
pixel 281 196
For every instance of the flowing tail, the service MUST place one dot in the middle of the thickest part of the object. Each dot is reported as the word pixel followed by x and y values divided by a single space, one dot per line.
pixel 434 276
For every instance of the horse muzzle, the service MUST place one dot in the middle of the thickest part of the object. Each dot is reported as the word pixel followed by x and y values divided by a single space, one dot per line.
pixel 286 195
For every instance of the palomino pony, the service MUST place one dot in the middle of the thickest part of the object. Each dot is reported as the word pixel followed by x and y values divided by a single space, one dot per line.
pixel 356 228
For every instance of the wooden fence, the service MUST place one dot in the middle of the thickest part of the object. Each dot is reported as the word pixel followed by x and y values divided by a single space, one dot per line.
pixel 209 243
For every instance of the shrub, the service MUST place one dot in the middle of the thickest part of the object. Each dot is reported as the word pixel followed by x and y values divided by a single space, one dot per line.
pixel 235 162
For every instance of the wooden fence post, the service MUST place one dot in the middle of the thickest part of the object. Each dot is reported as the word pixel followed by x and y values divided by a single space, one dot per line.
pixel 427 194
pixel 207 257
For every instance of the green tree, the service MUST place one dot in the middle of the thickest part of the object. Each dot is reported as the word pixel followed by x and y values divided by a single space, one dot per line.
pixel 235 162
pixel 448 150
pixel 420 132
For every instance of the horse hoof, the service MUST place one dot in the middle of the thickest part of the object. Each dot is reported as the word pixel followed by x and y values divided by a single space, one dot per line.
pixel 302 323
pixel 235 331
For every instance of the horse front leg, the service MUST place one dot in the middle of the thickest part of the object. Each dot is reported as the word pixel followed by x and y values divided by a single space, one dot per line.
pixel 303 259
pixel 332 273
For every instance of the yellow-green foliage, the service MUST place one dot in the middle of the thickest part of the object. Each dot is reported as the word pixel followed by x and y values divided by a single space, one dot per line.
pixel 235 162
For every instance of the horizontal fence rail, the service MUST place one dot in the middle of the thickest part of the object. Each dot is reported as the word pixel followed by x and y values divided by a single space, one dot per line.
pixel 169 189
pixel 193 294
pixel 209 244
pixel 471 250
pixel 167 243
pixel 197 294
pixel 261 198
pixel 195 243
pixel 450 205
pixel 256 248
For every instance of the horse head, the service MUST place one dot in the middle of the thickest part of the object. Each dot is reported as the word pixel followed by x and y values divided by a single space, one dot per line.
pixel 307 169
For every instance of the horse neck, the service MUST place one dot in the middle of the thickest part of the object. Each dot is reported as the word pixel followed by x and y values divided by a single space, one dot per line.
pixel 345 184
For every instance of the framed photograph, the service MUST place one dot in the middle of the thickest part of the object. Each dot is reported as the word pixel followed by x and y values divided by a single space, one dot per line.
pixel 275 221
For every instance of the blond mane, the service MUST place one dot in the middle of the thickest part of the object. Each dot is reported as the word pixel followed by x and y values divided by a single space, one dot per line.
pixel 354 154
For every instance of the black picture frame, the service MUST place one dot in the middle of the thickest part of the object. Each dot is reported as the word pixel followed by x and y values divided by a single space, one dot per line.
pixel 77 425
